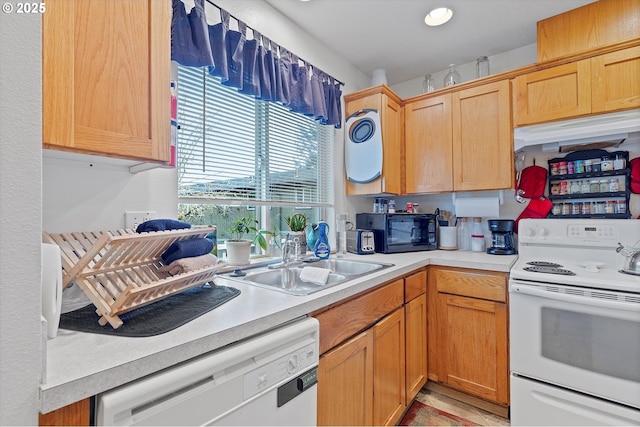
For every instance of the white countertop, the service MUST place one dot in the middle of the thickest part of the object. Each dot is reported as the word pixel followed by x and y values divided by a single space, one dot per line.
pixel 79 365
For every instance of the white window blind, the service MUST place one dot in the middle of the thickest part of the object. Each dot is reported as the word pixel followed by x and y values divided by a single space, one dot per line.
pixel 234 149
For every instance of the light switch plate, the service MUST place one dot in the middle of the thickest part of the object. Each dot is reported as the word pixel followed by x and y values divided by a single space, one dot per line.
pixel 134 218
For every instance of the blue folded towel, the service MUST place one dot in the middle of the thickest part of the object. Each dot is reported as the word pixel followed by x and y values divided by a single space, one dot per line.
pixel 187 249
pixel 161 225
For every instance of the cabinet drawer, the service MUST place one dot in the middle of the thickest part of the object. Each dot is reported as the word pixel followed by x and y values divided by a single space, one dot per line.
pixel 415 285
pixel 341 322
pixel 472 283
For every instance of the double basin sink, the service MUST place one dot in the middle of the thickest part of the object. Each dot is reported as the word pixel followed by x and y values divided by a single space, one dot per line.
pixel 286 278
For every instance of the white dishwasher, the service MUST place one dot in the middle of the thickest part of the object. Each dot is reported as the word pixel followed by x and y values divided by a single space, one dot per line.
pixel 267 380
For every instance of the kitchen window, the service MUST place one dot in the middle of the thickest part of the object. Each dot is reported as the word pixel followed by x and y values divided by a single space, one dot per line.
pixel 239 156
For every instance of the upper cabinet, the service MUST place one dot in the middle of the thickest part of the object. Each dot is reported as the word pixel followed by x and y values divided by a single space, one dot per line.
pixel 106 73
pixel 460 141
pixel 428 145
pixel 604 83
pixel 389 107
pixel 482 138
pixel 590 27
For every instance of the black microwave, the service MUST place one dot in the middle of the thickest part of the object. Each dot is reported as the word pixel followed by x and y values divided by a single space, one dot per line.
pixel 400 232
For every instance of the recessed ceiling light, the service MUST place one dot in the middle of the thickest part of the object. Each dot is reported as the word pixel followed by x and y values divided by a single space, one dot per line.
pixel 438 16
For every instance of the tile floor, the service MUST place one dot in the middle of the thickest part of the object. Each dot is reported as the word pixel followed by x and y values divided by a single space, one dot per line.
pixel 460 409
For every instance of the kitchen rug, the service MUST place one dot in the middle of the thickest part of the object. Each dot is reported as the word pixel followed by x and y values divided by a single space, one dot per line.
pixel 156 318
pixel 420 414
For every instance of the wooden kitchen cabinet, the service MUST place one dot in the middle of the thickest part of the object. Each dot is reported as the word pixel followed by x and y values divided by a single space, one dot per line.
pixel 345 383
pixel 469 337
pixel 428 145
pixel 389 369
pixel 389 106
pixel 482 138
pixel 460 141
pixel 553 94
pixel 604 83
pixel 105 78
pixel 415 314
pixel 615 80
pixel 76 414
pixel 373 347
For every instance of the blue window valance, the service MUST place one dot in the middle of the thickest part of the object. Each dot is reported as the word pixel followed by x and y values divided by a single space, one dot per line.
pixel 255 66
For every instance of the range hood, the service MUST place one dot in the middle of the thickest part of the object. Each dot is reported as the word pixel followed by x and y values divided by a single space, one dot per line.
pixel 598 131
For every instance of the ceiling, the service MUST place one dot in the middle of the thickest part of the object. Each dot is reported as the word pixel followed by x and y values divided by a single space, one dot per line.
pixel 391 34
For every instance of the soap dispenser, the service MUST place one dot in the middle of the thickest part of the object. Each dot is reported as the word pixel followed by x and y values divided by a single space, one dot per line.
pixel 322 249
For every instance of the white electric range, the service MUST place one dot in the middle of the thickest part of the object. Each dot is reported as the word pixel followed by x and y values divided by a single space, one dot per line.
pixel 574 324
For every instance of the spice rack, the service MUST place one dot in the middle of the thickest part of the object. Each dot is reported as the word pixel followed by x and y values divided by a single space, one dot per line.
pixel 590 184
pixel 118 270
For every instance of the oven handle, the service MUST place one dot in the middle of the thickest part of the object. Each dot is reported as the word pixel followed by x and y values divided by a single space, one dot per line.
pixel 523 288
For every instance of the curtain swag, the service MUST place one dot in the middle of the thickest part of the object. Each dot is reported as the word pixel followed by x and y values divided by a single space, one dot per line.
pixel 255 66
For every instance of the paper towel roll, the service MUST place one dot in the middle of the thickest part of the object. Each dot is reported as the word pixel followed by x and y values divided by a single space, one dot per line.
pixel 477 206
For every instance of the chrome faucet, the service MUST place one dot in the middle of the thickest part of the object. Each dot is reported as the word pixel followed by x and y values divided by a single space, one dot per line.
pixel 286 252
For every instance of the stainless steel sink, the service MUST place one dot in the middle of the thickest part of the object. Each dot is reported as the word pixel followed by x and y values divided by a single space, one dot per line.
pixel 287 278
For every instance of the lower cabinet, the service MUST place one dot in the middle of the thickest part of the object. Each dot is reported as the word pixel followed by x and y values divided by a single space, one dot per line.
pixel 468 332
pixel 76 414
pixel 373 354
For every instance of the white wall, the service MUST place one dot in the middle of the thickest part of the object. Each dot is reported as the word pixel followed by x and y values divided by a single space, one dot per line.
pixel 20 217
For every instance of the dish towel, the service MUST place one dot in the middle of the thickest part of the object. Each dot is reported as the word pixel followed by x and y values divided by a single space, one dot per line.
pixel 316 275
pixel 161 225
pixel 186 249
pixel 187 265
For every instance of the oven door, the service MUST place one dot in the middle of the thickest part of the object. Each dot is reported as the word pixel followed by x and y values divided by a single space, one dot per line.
pixel 587 340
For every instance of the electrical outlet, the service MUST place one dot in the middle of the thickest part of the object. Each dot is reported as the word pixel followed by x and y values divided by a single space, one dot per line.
pixel 134 218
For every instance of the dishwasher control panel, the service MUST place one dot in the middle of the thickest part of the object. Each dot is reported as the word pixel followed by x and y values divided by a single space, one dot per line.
pixel 284 367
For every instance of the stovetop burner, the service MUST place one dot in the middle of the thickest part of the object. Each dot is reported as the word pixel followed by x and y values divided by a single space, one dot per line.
pixel 544 264
pixel 550 270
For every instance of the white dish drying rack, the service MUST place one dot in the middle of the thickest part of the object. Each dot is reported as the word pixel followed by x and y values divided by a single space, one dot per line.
pixel 118 270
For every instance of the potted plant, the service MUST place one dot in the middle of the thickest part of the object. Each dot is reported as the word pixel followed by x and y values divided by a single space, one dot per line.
pixel 239 249
pixel 297 224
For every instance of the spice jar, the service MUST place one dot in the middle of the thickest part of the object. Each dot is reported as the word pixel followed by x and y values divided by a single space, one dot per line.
pixel 619 162
pixel 621 206
pixel 596 165
pixel 566 209
pixel 556 209
pixel 570 168
pixel 564 187
pixel 575 187
pixel 610 207
pixel 586 208
pixel 606 164
pixel 588 166
pixel 554 169
pixel 562 168
pixel 555 188
pixel 604 186
pixel 585 188
pixel 578 166
pixel 576 208
pixel 613 185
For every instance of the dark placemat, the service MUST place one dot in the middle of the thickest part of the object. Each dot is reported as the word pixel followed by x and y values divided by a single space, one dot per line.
pixel 156 318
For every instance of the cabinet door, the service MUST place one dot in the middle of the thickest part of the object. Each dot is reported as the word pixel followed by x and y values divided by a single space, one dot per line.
pixel 391 121
pixel 106 73
pixel 345 383
pixel 474 346
pixel 553 94
pixel 76 414
pixel 428 146
pixel 616 81
pixel 482 138
pixel 415 312
pixel 389 369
